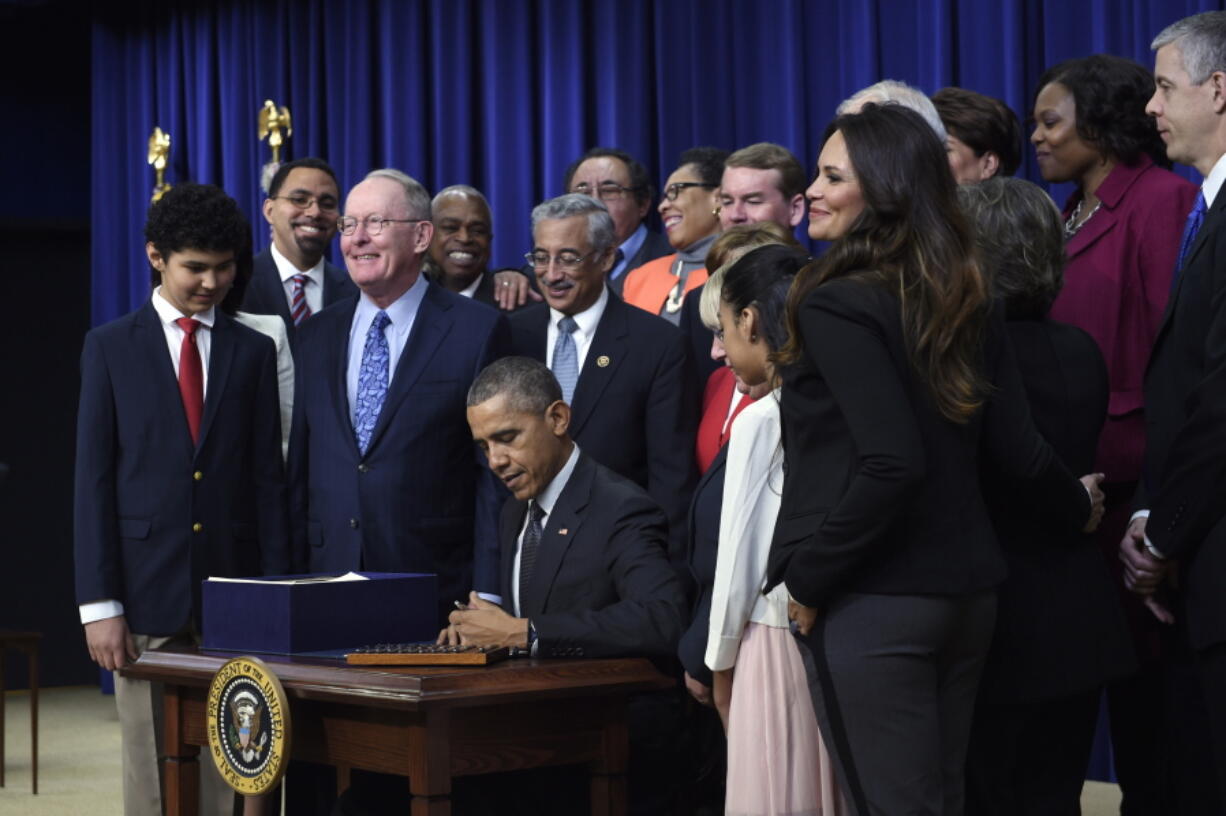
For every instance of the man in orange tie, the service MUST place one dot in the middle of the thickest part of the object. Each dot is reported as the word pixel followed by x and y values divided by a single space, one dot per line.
pixel 178 470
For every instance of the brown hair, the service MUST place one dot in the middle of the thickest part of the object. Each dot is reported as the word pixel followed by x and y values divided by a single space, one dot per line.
pixel 983 124
pixel 912 238
pixel 770 156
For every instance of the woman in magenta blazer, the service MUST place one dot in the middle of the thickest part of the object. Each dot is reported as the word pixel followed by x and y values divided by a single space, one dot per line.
pixel 1123 226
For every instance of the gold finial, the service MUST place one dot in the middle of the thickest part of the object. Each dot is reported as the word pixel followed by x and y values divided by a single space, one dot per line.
pixel 159 155
pixel 271 120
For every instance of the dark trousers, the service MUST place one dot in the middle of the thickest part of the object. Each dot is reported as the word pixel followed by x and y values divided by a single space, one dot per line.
pixel 1030 759
pixel 893 680
pixel 1211 665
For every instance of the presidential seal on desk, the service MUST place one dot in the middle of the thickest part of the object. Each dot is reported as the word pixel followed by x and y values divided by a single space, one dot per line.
pixel 248 725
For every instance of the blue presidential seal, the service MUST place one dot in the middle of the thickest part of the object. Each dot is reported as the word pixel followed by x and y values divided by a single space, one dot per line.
pixel 248 725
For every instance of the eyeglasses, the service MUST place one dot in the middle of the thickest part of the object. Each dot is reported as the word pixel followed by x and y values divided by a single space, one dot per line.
pixel 566 260
pixel 673 190
pixel 373 223
pixel 607 191
pixel 304 202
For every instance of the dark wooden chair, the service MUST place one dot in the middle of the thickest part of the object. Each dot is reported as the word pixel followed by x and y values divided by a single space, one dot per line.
pixel 22 642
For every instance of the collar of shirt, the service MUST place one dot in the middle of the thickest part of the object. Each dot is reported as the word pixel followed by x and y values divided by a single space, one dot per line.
pixel 472 287
pixel 587 320
pixel 1213 182
pixel 287 270
pixel 402 312
pixel 629 248
pixel 586 323
pixel 549 496
pixel 168 314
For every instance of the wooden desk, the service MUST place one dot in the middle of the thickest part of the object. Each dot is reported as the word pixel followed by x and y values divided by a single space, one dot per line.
pixel 427 724
pixel 26 642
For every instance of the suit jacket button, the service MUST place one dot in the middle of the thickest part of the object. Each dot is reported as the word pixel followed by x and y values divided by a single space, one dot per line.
pixel 353 523
pixel 197 527
pixel 363 468
pixel 197 475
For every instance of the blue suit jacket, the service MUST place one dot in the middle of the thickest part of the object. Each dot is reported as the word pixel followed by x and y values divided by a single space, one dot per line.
pixel 266 294
pixel 141 486
pixel 635 410
pixel 421 499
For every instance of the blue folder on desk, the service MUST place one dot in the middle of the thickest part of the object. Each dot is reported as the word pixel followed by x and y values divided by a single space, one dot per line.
pixel 291 614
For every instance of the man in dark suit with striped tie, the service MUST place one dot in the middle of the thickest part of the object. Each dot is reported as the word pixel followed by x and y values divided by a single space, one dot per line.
pixel 291 278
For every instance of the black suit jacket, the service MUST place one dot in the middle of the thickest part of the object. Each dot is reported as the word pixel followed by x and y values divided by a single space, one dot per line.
pixel 882 492
pixel 700 338
pixel 1059 605
pixel 634 409
pixel 1185 429
pixel 266 294
pixel 704 547
pixel 142 487
pixel 602 585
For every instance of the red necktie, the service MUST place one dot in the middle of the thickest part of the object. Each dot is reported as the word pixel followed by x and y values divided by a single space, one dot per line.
pixel 191 376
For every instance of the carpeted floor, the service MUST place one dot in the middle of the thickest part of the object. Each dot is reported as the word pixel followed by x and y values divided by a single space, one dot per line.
pixel 78 759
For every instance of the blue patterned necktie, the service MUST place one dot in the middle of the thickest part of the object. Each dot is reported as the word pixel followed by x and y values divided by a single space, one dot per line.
pixel 566 358
pixel 527 550
pixel 1190 228
pixel 372 381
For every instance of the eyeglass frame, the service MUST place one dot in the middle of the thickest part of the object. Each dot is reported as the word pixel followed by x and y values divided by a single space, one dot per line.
pixel 673 190
pixel 530 257
pixel 615 191
pixel 309 199
pixel 340 223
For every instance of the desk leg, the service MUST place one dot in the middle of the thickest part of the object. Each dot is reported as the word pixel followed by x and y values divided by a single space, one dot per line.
pixel 182 771
pixel 34 714
pixel 608 774
pixel 430 771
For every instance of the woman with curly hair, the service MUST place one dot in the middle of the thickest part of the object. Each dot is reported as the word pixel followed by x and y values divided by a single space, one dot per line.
pixel 1122 226
pixel 898 388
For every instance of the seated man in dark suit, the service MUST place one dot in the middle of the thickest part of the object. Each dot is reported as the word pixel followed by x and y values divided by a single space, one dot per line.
pixel 625 373
pixel 291 277
pixel 584 568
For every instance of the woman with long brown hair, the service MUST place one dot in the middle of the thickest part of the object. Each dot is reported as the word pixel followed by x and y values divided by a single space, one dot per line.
pixel 898 387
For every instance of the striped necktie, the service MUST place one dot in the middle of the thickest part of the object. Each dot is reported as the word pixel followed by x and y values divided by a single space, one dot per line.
pixel 298 308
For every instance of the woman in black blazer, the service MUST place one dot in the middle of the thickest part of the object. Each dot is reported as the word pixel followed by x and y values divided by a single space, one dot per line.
pixel 1060 629
pixel 898 385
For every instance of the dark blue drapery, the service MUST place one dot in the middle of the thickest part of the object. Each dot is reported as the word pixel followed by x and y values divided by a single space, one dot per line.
pixel 503 94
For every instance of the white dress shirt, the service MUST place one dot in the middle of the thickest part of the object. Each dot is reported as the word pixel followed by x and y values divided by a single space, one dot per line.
pixel 471 289
pixel 753 485
pixel 403 312
pixel 274 327
pixel 547 499
pixel 313 286
pixel 587 321
pixel 167 315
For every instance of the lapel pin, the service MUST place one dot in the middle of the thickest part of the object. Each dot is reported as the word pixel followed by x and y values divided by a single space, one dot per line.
pixel 563 531
pixel 603 361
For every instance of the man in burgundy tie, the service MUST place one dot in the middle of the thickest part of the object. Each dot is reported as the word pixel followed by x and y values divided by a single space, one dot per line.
pixel 292 278
pixel 178 470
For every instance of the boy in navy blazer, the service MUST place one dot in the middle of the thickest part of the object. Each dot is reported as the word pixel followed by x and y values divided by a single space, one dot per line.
pixel 178 471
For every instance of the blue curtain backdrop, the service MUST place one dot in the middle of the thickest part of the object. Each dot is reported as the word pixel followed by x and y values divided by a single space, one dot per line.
pixel 503 94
